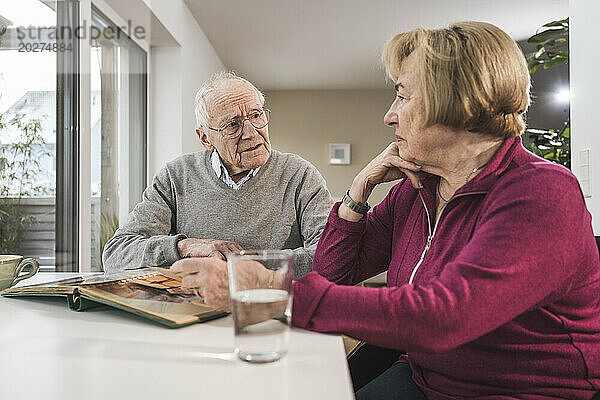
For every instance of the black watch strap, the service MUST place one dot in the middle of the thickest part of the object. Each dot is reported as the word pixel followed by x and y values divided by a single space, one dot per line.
pixel 360 208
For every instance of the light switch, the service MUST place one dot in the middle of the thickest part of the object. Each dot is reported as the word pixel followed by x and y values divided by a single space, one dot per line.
pixel 585 172
pixel 584 157
pixel 586 189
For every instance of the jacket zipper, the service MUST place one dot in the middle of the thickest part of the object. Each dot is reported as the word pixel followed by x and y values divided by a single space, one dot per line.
pixel 432 233
pixel 429 238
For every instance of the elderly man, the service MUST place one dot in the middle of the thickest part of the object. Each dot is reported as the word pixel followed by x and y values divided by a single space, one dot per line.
pixel 240 194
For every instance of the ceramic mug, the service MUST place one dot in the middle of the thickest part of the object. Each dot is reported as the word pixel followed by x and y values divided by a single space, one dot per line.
pixel 11 266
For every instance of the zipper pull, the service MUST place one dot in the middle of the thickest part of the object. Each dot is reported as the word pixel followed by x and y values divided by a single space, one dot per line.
pixel 426 249
pixel 428 244
pixel 423 254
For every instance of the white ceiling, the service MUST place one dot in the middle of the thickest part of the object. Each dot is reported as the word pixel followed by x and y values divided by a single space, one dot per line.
pixel 336 44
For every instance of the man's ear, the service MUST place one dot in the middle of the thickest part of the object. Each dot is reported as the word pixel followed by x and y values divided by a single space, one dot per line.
pixel 204 139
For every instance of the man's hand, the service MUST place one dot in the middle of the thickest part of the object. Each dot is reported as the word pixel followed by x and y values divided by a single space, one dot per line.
pixel 209 276
pixel 207 248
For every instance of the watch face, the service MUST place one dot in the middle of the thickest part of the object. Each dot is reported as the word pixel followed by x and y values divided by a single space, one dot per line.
pixel 355 206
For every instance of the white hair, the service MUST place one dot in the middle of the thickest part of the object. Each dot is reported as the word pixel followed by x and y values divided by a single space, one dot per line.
pixel 200 106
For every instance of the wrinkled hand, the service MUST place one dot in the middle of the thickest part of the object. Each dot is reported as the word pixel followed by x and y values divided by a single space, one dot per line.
pixel 386 167
pixel 192 247
pixel 209 276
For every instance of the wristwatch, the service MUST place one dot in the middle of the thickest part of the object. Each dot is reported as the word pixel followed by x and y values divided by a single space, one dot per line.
pixel 360 208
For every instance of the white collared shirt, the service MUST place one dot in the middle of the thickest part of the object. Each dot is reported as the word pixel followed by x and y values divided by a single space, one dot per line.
pixel 223 174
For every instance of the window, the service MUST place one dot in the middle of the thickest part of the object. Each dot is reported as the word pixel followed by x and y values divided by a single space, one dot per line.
pixel 43 146
pixel 118 130
pixel 28 130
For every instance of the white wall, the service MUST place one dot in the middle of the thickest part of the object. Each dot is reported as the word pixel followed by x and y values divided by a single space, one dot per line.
pixel 585 86
pixel 176 72
pixel 336 116
pixel 165 132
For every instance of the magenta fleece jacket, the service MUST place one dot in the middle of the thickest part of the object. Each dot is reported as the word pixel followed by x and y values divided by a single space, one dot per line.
pixel 505 302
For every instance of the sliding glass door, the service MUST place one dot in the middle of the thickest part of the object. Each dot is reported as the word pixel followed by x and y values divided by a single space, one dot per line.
pixel 118 128
pixel 38 81
pixel 42 143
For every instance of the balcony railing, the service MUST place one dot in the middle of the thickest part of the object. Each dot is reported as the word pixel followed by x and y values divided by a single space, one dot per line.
pixel 38 240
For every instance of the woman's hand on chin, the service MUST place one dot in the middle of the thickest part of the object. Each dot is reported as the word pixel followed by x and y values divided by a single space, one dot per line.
pixel 386 167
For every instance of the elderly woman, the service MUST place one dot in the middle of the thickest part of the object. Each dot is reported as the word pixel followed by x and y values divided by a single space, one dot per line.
pixel 493 273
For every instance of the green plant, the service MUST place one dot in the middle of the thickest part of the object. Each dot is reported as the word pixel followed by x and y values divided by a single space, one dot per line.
pixel 19 166
pixel 105 225
pixel 552 145
pixel 552 49
pixel 552 46
pixel 109 223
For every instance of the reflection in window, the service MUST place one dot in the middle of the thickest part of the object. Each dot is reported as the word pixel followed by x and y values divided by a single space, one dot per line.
pixel 118 131
pixel 27 133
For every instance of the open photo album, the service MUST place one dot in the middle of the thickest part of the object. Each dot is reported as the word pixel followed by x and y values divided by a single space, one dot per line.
pixel 146 292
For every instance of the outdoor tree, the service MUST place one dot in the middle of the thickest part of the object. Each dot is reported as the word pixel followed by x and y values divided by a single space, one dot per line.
pixel 19 167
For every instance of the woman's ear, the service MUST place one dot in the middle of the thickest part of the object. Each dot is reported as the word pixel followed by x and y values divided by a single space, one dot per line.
pixel 204 139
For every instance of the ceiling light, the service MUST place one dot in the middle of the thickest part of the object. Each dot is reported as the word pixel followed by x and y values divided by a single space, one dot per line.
pixel 563 96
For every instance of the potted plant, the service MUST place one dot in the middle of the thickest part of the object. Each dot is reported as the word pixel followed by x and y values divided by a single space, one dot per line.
pixel 21 147
pixel 552 49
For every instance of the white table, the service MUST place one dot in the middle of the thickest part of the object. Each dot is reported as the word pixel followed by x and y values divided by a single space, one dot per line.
pixel 49 352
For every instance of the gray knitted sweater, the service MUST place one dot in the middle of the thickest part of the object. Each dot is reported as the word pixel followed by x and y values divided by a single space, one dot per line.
pixel 285 206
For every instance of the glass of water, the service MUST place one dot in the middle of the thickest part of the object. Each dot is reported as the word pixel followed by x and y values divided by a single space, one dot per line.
pixel 260 285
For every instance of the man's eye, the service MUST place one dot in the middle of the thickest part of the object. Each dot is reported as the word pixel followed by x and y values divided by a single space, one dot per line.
pixel 233 124
pixel 255 115
pixel 400 97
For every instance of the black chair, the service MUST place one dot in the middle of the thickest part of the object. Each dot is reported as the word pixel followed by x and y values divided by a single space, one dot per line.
pixel 366 362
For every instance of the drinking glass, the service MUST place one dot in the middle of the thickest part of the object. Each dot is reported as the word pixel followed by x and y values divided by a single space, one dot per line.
pixel 260 285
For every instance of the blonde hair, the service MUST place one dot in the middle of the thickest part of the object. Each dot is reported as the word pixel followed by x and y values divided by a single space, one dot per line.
pixel 472 76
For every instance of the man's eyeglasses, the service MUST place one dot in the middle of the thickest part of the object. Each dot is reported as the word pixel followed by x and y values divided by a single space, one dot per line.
pixel 232 129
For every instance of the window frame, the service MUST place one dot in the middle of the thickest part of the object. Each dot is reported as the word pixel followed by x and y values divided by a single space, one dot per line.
pixel 73 222
pixel 67 240
pixel 85 215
